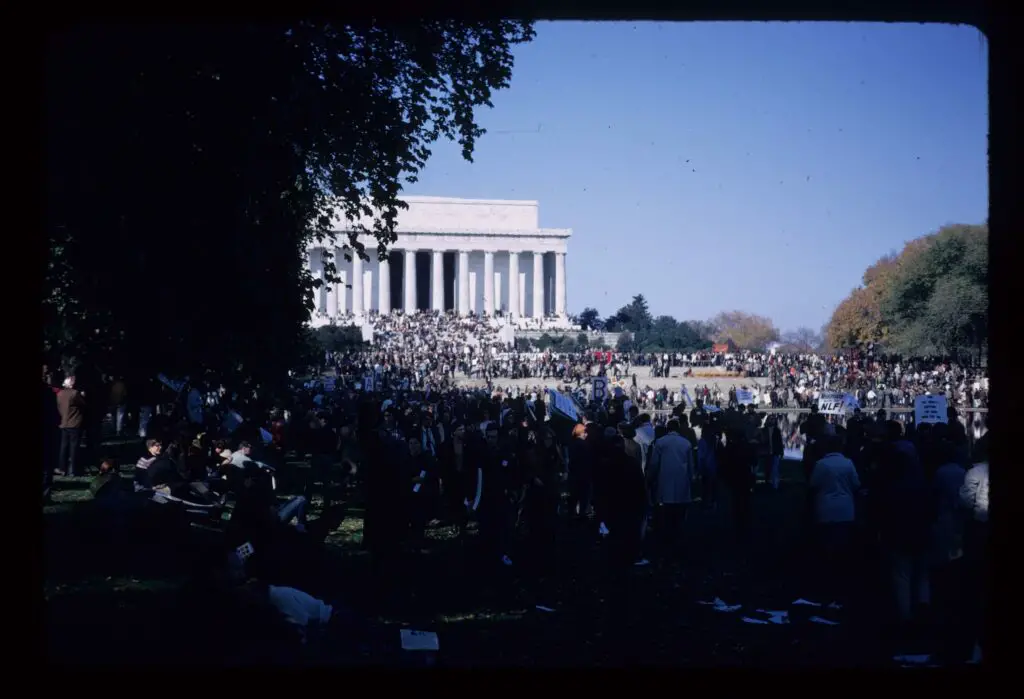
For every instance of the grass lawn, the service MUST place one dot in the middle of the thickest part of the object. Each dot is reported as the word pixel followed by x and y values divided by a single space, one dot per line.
pixel 100 609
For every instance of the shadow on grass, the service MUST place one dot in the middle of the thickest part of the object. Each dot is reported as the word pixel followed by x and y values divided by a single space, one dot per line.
pixel 105 591
pixel 64 485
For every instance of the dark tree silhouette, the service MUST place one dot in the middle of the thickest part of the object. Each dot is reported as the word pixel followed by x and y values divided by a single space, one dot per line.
pixel 190 167
pixel 590 319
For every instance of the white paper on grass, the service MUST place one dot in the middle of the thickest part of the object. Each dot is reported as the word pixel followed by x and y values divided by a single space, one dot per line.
pixel 720 606
pixel 913 659
pixel 748 620
pixel 806 602
pixel 419 640
pixel 824 621
pixel 775 617
pixel 542 608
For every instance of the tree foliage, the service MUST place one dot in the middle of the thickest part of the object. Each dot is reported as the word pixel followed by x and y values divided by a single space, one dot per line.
pixel 747 330
pixel 189 169
pixel 339 338
pixel 932 298
pixel 634 317
pixel 802 340
pixel 639 331
pixel 590 319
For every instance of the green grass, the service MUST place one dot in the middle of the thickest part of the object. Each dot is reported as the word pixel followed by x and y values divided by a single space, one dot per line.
pixel 484 620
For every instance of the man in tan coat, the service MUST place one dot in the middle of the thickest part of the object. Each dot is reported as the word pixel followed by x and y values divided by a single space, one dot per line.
pixel 71 405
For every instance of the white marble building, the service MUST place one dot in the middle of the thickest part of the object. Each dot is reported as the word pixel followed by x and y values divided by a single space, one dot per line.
pixel 470 255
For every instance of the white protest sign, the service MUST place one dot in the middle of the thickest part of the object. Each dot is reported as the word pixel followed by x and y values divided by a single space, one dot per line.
pixel 832 403
pixel 686 395
pixel 930 409
pixel 368 383
pixel 744 396
pixel 599 389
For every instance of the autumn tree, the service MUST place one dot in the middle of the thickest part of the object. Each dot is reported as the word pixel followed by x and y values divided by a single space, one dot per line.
pixel 930 298
pixel 857 320
pixel 747 330
pixel 189 168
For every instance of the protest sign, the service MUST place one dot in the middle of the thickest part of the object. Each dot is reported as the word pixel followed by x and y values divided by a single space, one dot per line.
pixel 562 406
pixel 832 403
pixel 599 389
pixel 930 409
pixel 744 396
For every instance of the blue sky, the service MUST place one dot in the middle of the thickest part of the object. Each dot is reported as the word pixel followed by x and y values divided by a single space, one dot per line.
pixel 721 166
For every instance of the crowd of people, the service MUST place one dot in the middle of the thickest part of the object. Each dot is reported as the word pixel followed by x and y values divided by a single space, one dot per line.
pixel 424 450
pixel 421 425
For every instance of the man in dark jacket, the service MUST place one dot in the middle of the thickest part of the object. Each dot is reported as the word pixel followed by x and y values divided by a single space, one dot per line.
pixel 625 508
pixel 900 496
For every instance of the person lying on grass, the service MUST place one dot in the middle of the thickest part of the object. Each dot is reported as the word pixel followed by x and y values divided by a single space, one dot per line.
pixel 294 614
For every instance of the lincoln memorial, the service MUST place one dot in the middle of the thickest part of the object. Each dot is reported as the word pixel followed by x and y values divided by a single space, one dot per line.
pixel 472 256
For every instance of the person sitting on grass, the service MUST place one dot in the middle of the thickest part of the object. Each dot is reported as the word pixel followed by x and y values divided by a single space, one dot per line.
pixel 108 486
pixel 153 449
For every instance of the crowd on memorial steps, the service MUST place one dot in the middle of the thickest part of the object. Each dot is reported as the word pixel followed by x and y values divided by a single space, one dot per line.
pixel 441 421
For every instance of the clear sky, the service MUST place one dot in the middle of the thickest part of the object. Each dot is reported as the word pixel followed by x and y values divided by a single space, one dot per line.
pixel 721 166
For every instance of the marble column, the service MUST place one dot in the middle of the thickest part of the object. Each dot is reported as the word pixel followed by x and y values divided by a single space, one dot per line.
pixel 410 281
pixel 316 267
pixel 489 284
pixel 357 284
pixel 384 286
pixel 342 287
pixel 560 300
pixel 332 301
pixel 463 283
pixel 513 284
pixel 538 285
pixel 437 280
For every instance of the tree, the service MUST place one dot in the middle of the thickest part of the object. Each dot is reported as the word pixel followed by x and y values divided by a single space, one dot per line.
pixel 624 342
pixel 747 330
pixel 930 298
pixel 201 162
pixel 803 340
pixel 590 319
pixel 857 320
pixel 582 340
pixel 938 299
pixel 705 329
pixel 334 338
pixel 668 334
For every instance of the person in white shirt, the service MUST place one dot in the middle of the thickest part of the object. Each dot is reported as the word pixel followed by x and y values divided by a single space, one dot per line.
pixel 834 484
